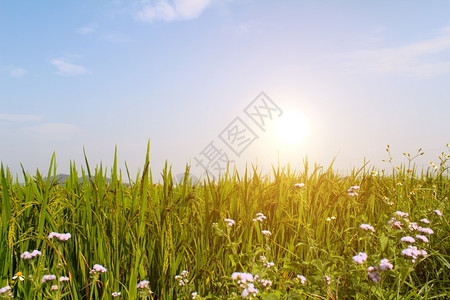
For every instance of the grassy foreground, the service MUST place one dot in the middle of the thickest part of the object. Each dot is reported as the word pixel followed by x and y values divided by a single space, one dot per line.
pixel 309 234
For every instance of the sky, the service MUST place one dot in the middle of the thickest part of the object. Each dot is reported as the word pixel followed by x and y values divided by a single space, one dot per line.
pixel 217 82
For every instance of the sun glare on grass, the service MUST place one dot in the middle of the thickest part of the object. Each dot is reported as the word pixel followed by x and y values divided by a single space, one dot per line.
pixel 291 128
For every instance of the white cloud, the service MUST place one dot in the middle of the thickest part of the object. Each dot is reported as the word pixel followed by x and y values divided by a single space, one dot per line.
pixel 67 68
pixel 54 130
pixel 174 10
pixel 427 58
pixel 17 72
pixel 19 118
pixel 85 30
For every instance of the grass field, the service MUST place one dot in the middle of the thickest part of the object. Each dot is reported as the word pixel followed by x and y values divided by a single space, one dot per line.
pixel 302 234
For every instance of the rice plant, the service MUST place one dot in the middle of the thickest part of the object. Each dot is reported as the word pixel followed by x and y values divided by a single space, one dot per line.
pixel 306 234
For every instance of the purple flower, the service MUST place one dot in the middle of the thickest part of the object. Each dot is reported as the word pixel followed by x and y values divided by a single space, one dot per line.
pixel 407 239
pixel 46 278
pixel 97 269
pixel 385 265
pixel 302 279
pixel 438 212
pixel 422 238
pixel 425 230
pixel 367 227
pixel 360 258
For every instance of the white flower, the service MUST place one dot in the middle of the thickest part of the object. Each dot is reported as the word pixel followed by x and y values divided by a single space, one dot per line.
pixel 360 258
pixel 367 227
pixel 425 230
pixel 438 212
pixel 63 237
pixel 328 280
pixel 230 222
pixel 299 185
pixel 64 279
pixel 54 288
pixel 98 269
pixel 401 214
pixel 302 278
pixel 385 265
pixel 249 290
pixel 46 278
pixel 144 284
pixel 266 232
pixel 242 278
pixel 352 190
pixel 194 295
pixel 260 217
pixel 19 275
pixel 413 226
pixel 422 238
pixel 425 221
pixel 115 294
pixel 407 239
pixel 183 278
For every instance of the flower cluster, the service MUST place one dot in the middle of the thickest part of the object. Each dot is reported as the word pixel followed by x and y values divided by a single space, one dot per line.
pixel 260 217
pixel 367 227
pixel 46 278
pixel 385 265
pixel 245 281
pixel 5 290
pixel 352 191
pixel 182 278
pixel 63 237
pixel 301 278
pixel 407 239
pixel 97 269
pixel 374 274
pixel 413 252
pixel 360 258
pixel 27 255
pixel 266 263
pixel 230 222
pixel 143 284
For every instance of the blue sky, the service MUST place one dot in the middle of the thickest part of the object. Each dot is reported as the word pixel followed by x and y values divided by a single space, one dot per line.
pixel 348 78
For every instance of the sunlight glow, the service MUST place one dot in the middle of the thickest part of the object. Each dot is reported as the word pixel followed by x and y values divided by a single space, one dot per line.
pixel 291 128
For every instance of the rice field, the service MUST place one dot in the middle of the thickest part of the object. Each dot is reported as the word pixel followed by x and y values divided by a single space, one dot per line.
pixel 291 234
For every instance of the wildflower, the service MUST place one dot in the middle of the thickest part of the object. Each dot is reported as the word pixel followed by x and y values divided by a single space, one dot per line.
pixel 299 185
pixel 63 237
pixel 327 280
pixel 194 295
pixel 395 223
pixel 407 239
pixel 27 255
pixel 422 238
pixel 437 212
pixel 18 275
pixel 401 214
pixel 242 278
pixel 64 279
pixel 360 258
pixel 367 227
pixel 116 294
pixel 264 282
pixel 249 290
pixel 425 230
pixel 143 284
pixel 46 278
pixel 352 190
pixel 97 269
pixel 266 232
pixel 413 252
pixel 425 221
pixel 260 217
pixel 373 274
pixel 385 265
pixel 301 278
pixel 5 289
pixel 183 278
pixel 54 288
pixel 413 226
pixel 230 222
pixel 330 218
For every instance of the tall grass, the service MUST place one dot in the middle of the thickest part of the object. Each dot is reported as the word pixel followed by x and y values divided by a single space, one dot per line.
pixel 149 228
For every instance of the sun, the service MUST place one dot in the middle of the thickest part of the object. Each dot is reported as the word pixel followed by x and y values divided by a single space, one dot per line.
pixel 291 128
